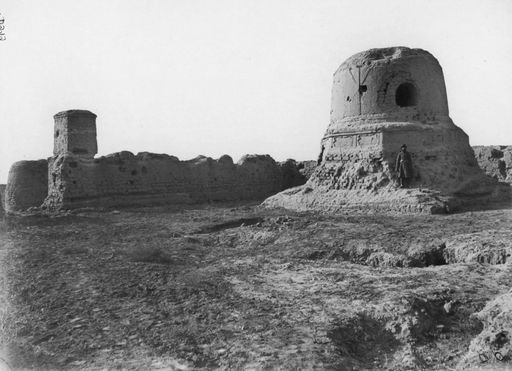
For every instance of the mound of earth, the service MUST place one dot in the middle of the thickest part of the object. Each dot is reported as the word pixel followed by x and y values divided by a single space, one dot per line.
pixel 492 348
pixel 236 286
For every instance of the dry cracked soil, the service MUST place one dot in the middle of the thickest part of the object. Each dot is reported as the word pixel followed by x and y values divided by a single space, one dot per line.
pixel 231 286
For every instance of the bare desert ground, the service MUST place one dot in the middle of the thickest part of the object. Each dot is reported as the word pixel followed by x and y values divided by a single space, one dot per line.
pixel 235 286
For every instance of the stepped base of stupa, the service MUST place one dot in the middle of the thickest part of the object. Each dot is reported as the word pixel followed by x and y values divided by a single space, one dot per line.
pixel 358 172
pixel 410 200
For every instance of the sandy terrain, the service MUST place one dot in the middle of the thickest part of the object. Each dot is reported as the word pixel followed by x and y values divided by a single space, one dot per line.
pixel 240 287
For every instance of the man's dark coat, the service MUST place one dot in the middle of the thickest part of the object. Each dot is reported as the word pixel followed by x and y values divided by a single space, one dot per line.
pixel 404 165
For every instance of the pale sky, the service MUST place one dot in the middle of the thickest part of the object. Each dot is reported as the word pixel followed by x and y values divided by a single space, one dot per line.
pixel 191 77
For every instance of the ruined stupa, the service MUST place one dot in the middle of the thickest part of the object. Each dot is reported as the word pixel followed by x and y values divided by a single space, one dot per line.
pixel 381 99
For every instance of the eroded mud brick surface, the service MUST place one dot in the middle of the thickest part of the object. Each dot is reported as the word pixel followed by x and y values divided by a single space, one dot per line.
pixel 381 99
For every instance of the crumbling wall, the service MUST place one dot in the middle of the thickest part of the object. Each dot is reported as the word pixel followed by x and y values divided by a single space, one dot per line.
pixel 306 168
pixel 2 198
pixel 296 173
pixel 496 161
pixel 27 185
pixel 292 173
pixel 146 178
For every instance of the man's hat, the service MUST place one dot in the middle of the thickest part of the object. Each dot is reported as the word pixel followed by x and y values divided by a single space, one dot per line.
pixel 404 146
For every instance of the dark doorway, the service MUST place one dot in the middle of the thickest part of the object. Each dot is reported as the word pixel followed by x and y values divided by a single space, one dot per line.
pixel 406 95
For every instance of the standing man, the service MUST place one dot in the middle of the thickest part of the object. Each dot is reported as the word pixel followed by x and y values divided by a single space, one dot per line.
pixel 320 156
pixel 403 166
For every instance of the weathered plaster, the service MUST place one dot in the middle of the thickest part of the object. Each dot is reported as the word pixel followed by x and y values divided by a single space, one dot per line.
pixel 381 99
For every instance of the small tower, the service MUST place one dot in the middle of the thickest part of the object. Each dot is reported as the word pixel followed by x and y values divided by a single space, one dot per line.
pixel 75 133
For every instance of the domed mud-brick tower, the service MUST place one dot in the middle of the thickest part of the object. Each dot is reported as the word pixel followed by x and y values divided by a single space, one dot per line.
pixel 381 99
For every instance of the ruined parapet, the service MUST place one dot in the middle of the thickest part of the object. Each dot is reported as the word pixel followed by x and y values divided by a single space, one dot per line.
pixel 496 161
pixel 381 99
pixel 146 178
pixel 27 185
pixel 75 133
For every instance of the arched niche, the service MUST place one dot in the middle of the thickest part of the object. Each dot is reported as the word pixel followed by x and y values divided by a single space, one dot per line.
pixel 406 95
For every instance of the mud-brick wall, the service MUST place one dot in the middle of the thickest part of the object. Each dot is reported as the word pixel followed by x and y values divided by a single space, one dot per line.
pixel 496 161
pixel 27 185
pixel 2 198
pixel 123 179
